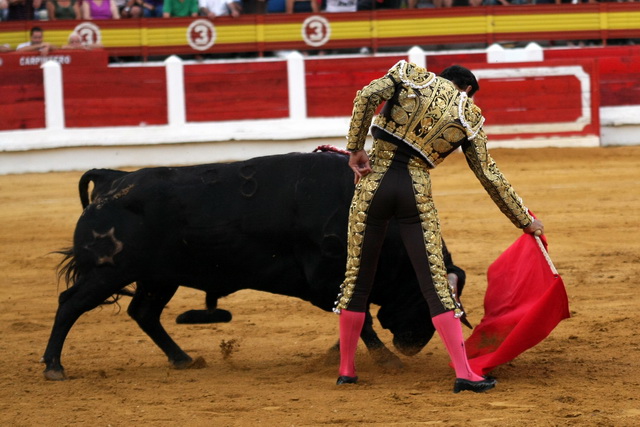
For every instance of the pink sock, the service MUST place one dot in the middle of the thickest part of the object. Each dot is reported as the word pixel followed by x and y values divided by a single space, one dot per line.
pixel 350 327
pixel 450 332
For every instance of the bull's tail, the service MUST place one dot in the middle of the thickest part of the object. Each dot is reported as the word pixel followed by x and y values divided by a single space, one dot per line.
pixel 69 272
pixel 68 268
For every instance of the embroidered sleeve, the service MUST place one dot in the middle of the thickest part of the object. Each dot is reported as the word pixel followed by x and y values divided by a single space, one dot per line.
pixel 365 105
pixel 496 185
pixel 470 116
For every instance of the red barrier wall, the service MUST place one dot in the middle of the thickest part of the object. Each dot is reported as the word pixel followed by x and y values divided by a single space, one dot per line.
pixel 562 96
pixel 130 96
pixel 236 91
pixel 22 99
pixel 536 99
pixel 332 83
pixel 618 68
pixel 101 96
pixel 22 89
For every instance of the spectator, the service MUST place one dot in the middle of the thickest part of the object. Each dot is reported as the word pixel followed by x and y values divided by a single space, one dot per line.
pixel 120 4
pixel 253 6
pixel 22 10
pixel 302 6
pixel 275 6
pixel 333 6
pixel 100 9
pixel 379 4
pixel 63 9
pixel 428 4
pixel 75 42
pixel 420 4
pixel 36 42
pixel 156 9
pixel 40 13
pixel 180 8
pixel 4 10
pixel 143 8
pixel 213 8
pixel 134 9
pixel 501 2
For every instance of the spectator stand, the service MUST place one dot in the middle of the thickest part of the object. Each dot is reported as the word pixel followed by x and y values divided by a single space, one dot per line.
pixel 378 30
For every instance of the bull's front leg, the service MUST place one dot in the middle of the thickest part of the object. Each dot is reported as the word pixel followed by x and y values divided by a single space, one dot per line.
pixel 72 303
pixel 380 353
pixel 66 316
pixel 145 308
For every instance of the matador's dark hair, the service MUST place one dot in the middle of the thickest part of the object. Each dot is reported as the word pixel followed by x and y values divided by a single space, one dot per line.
pixel 462 77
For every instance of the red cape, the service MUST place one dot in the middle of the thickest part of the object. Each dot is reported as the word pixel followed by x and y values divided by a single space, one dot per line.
pixel 525 300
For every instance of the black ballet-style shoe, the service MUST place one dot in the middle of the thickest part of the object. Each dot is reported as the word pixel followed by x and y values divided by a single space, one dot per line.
pixel 475 386
pixel 343 379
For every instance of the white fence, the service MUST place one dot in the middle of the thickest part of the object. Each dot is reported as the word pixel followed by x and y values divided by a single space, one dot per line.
pixel 57 148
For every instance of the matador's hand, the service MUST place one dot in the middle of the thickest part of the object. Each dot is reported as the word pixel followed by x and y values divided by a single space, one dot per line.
pixel 536 227
pixel 359 163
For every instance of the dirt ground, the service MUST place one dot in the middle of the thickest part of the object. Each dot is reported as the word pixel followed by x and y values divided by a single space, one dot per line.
pixel 275 371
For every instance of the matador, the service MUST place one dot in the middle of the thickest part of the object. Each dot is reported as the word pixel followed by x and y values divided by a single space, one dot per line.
pixel 424 118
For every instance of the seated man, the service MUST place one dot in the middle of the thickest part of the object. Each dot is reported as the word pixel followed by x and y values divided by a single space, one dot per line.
pixel 36 42
pixel 4 11
pixel 214 8
pixel 378 4
pixel 180 8
pixel 302 6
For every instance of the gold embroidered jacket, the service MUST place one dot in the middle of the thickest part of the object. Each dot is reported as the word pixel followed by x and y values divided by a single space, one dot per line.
pixel 429 114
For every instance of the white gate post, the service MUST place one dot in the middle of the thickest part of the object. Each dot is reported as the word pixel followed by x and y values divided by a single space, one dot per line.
pixel 418 57
pixel 297 87
pixel 53 98
pixel 176 109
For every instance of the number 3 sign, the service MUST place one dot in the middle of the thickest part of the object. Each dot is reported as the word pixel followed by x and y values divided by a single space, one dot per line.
pixel 316 31
pixel 201 34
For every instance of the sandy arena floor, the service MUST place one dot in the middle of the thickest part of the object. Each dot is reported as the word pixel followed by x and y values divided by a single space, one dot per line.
pixel 585 374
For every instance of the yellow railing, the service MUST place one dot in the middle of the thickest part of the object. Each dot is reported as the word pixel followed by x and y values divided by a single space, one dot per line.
pixel 374 29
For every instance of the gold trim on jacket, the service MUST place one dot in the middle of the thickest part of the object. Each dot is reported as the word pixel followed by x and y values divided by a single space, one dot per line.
pixel 430 115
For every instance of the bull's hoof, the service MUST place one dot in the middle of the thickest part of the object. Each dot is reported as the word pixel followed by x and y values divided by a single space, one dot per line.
pixel 407 350
pixel 197 317
pixel 387 360
pixel 55 375
pixel 197 363
pixel 332 356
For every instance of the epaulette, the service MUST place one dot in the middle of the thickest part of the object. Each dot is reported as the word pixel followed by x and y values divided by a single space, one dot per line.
pixel 470 116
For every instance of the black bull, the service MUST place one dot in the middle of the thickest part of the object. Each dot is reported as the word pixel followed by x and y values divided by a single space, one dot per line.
pixel 274 224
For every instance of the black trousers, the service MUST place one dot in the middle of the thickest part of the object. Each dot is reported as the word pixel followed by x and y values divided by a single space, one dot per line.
pixel 398 187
